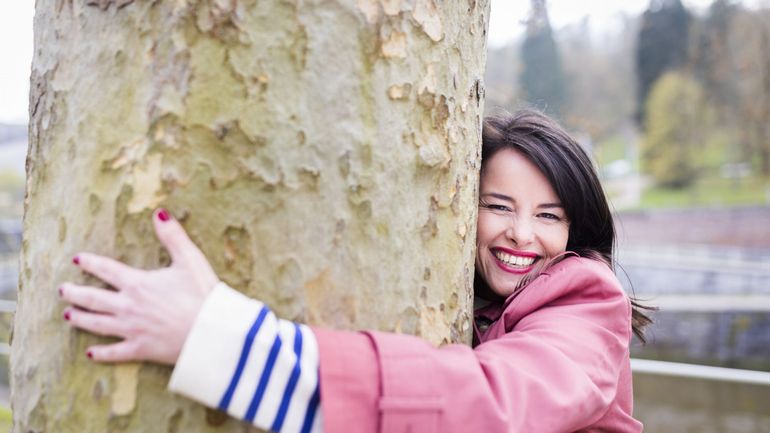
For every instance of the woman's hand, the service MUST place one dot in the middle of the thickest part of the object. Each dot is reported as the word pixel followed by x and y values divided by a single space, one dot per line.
pixel 151 311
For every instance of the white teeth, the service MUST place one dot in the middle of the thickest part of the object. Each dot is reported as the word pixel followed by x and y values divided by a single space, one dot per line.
pixel 514 260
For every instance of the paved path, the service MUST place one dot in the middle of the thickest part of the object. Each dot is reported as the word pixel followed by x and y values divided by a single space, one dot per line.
pixel 738 226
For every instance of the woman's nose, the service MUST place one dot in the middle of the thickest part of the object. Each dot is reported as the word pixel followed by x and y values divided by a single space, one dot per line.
pixel 520 232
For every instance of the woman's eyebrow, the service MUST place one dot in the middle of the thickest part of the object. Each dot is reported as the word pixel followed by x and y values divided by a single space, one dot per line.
pixel 551 205
pixel 498 196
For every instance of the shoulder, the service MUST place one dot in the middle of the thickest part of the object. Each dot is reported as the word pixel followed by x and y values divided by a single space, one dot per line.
pixel 576 286
pixel 579 276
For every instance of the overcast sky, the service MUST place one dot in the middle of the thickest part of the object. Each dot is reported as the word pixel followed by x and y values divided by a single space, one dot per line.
pixel 505 24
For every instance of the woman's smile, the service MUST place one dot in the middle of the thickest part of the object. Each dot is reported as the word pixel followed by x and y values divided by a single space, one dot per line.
pixel 515 262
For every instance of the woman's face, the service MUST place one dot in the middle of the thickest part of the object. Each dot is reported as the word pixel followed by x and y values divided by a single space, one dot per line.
pixel 522 223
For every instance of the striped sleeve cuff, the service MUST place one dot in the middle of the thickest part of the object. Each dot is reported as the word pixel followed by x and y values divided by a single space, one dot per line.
pixel 241 359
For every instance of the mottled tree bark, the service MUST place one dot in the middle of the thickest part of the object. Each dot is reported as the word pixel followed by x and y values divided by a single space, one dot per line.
pixel 324 155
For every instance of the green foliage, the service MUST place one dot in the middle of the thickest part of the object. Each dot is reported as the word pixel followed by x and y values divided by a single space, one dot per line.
pixel 662 46
pixel 6 420
pixel 609 150
pixel 678 120
pixel 542 76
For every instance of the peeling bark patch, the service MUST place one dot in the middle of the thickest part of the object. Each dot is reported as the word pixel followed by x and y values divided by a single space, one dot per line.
pixel 215 418
pixel 130 153
pixel 124 397
pixel 104 4
pixel 236 242
pixel 370 9
pixel 441 111
pixel 391 7
pixel 98 391
pixel 173 421
pixel 433 325
pixel 433 153
pixel 430 228
pixel 398 92
pixel 395 46
pixel 426 14
pixel 146 184
pixel 427 87
pixel 461 230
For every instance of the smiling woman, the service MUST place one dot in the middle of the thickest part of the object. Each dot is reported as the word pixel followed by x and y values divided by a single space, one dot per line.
pixel 550 348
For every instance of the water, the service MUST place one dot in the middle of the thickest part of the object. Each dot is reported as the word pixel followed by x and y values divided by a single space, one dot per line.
pixel 681 405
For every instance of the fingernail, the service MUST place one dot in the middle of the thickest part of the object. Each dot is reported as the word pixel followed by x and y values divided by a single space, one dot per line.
pixel 67 315
pixel 76 260
pixel 61 291
pixel 90 354
pixel 163 215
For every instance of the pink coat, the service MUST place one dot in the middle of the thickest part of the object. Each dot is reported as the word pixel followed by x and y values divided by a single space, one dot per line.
pixel 555 359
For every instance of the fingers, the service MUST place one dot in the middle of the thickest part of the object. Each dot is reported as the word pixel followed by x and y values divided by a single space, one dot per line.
pixel 115 273
pixel 117 352
pixel 96 323
pixel 173 236
pixel 92 298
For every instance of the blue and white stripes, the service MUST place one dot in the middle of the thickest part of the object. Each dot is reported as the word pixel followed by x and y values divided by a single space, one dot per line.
pixel 243 360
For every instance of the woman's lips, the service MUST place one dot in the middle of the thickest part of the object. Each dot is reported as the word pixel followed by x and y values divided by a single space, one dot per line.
pixel 517 270
pixel 504 253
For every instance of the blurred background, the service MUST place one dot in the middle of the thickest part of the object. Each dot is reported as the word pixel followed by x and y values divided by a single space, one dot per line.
pixel 672 98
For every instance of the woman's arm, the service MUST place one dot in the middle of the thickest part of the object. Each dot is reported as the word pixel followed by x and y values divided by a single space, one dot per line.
pixel 557 370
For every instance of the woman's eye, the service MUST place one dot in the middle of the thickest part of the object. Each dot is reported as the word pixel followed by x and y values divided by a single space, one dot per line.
pixel 497 207
pixel 550 216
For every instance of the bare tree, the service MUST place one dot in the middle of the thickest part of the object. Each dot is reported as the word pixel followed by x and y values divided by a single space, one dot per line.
pixel 324 155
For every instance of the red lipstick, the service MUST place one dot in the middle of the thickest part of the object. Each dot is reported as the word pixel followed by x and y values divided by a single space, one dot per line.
pixel 508 268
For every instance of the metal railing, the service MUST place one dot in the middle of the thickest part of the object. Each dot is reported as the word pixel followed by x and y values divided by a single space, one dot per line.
pixel 694 371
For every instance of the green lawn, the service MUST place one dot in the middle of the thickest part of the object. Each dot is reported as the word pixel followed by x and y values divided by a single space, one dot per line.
pixel 709 192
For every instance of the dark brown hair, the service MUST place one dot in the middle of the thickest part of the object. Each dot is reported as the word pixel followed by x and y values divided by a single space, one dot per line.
pixel 573 178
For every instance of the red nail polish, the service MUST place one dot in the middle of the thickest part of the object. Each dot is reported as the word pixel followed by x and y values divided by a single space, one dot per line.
pixel 67 315
pixel 163 215
pixel 76 260
pixel 90 355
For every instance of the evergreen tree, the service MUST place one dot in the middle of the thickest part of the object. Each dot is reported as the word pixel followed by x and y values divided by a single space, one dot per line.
pixel 712 57
pixel 542 77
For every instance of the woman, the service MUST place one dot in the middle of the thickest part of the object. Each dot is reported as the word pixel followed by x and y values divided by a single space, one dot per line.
pixel 550 342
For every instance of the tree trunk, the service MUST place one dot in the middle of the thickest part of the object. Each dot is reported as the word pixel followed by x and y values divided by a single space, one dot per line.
pixel 323 154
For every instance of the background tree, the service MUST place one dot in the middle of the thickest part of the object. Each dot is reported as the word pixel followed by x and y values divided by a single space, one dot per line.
pixel 750 41
pixel 662 46
pixel 677 127
pixel 542 77
pixel 712 56
pixel 324 156
pixel 599 71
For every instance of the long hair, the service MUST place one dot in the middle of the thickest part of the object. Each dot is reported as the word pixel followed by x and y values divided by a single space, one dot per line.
pixel 573 178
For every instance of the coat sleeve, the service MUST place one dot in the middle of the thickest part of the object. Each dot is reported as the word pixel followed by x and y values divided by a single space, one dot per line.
pixel 556 370
pixel 241 359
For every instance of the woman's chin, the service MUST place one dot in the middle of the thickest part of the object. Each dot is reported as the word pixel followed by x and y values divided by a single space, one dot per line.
pixel 506 288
